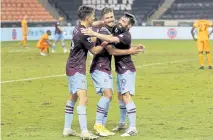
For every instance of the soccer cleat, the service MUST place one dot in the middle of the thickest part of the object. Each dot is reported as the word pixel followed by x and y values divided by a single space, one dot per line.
pixel 100 130
pixel 130 132
pixel 86 135
pixel 201 68
pixel 210 67
pixel 70 132
pixel 120 126
pixel 108 132
pixel 42 54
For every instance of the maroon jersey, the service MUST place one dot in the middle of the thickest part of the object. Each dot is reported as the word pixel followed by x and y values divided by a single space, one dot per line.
pixel 102 61
pixel 78 54
pixel 123 62
pixel 57 31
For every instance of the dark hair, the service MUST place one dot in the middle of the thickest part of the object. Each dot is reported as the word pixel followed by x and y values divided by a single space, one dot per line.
pixel 106 10
pixel 48 32
pixel 203 16
pixel 84 11
pixel 132 19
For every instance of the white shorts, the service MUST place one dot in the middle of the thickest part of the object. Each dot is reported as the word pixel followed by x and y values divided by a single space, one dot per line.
pixel 102 81
pixel 126 82
pixel 77 82
pixel 58 37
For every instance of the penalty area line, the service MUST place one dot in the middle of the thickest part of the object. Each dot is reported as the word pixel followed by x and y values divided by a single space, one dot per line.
pixel 60 75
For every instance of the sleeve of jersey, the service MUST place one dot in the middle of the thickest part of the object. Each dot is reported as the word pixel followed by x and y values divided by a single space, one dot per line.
pixel 195 24
pixel 104 31
pixel 124 38
pixel 87 42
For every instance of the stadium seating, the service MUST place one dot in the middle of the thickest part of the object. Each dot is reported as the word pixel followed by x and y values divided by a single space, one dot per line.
pixel 14 10
pixel 140 8
pixel 189 9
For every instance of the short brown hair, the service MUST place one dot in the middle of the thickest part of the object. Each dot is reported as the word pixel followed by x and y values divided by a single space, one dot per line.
pixel 84 11
pixel 106 10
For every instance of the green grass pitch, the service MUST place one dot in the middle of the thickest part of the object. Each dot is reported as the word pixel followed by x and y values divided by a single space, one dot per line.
pixel 174 99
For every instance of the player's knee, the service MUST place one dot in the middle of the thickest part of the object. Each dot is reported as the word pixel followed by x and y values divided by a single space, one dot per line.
pixel 207 52
pixel 83 100
pixel 200 52
pixel 107 93
pixel 120 96
pixel 126 97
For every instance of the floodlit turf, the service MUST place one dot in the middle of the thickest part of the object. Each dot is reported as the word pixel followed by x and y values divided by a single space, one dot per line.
pixel 174 98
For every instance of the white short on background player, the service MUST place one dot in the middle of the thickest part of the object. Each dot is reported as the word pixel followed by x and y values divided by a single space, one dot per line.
pixel 59 35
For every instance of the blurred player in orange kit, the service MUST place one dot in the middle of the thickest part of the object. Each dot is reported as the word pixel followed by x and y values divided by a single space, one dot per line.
pixel 203 44
pixel 24 27
pixel 44 43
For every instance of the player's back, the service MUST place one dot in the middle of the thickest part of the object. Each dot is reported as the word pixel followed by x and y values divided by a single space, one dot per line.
pixel 43 38
pixel 78 54
pixel 202 29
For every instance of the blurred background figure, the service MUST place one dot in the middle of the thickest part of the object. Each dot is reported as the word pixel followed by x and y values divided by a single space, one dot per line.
pixel 59 35
pixel 24 26
pixel 43 44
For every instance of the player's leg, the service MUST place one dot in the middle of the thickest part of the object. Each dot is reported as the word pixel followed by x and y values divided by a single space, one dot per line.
pixel 69 108
pixel 41 47
pixel 103 85
pixel 122 107
pixel 44 47
pixel 200 46
pixel 208 53
pixel 25 41
pixel 79 85
pixel 127 84
pixel 55 40
pixel 62 43
pixel 109 95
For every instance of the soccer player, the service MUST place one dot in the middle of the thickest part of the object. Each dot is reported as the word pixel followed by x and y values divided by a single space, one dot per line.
pixel 203 44
pixel 24 27
pixel 125 68
pixel 44 43
pixel 76 72
pixel 101 72
pixel 59 36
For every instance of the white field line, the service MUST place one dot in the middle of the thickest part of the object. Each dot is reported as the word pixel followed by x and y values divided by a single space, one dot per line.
pixel 138 66
pixel 163 63
pixel 35 78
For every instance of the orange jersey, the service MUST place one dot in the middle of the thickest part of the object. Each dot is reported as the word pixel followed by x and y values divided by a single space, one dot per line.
pixel 202 29
pixel 24 26
pixel 43 39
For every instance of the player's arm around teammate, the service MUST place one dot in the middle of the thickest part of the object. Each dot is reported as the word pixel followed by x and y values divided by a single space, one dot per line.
pixel 114 39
